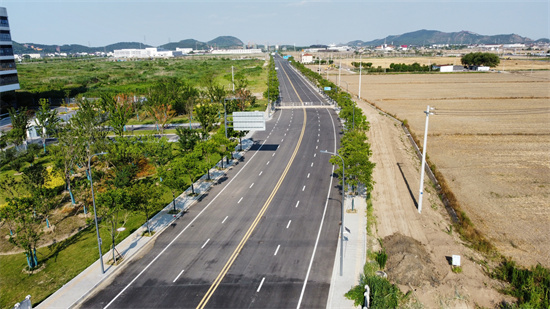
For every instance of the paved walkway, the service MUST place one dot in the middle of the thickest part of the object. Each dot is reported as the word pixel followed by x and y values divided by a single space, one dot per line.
pixel 355 252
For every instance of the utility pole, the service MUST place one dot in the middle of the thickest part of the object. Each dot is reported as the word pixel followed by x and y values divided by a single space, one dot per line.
pixel 427 112
pixel 340 72
pixel 360 67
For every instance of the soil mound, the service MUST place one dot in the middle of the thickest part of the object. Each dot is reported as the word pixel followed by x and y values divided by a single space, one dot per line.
pixel 408 262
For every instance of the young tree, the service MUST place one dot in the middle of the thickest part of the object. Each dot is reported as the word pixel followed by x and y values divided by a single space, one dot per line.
pixel 188 138
pixel 109 205
pixel 159 105
pixel 215 92
pixel 20 213
pixel 66 155
pixel 119 109
pixel 46 121
pixel 191 164
pixel 172 178
pixel 145 198
pixel 89 125
pixel 20 124
pixel 355 150
pixel 206 114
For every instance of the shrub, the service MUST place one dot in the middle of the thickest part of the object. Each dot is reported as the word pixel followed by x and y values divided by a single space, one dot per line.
pixel 381 258
pixel 530 286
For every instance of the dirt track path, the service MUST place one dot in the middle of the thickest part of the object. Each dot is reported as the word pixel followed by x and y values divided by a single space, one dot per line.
pixel 396 208
pixel 394 198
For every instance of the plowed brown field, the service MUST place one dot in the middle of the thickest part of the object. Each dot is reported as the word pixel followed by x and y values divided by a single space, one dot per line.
pixel 490 138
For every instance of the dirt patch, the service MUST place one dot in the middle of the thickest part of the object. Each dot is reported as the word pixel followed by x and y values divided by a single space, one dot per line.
pixel 64 223
pixel 408 262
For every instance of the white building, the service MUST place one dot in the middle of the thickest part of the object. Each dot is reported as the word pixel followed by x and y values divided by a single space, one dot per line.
pixel 184 50
pixel 236 51
pixel 307 58
pixel 151 52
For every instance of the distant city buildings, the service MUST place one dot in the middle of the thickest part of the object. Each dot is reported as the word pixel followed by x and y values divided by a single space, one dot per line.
pixel 8 72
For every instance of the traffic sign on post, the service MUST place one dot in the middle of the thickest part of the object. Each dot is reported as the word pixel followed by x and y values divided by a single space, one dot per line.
pixel 248 121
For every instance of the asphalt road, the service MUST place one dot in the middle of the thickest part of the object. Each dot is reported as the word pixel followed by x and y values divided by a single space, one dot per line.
pixel 265 237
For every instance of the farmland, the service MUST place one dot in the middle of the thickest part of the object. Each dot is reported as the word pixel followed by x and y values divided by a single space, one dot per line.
pixel 490 138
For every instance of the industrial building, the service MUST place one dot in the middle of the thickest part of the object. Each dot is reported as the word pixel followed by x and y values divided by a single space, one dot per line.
pixel 8 72
pixel 151 52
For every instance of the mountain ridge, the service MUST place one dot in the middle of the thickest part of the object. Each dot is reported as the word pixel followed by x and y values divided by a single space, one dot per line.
pixel 219 42
pixel 428 37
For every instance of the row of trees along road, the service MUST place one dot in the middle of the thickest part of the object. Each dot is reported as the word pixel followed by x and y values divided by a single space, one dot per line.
pixel 133 173
pixel 354 147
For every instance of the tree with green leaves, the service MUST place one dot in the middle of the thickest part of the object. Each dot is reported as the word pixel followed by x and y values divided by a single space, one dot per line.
pixel 20 124
pixel 187 138
pixel 214 91
pixel 21 215
pixel 207 148
pixel 88 124
pixel 479 59
pixel 355 150
pixel 66 155
pixel 159 105
pixel 119 110
pixel 145 198
pixel 172 178
pixel 46 121
pixel 191 164
pixel 272 92
pixel 123 155
pixel 206 114
pixel 45 199
pixel 110 204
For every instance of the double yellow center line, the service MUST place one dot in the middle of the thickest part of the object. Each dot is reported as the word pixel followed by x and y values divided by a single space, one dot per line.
pixel 252 227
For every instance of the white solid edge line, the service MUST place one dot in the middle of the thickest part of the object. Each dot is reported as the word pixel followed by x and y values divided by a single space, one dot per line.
pixel 320 225
pixel 181 272
pixel 188 225
pixel 260 286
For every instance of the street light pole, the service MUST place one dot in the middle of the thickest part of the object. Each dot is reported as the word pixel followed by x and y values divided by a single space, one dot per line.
pixel 95 212
pixel 342 211
pixel 360 69
pixel 339 72
pixel 427 112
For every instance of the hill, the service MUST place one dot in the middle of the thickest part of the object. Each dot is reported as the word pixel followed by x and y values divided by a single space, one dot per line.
pixel 225 42
pixel 428 37
pixel 31 48
pixel 188 43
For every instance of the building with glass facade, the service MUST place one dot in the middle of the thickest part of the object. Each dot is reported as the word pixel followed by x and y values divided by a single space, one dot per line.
pixel 8 72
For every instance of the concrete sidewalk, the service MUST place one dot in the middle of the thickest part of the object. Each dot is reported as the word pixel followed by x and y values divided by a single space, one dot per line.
pixel 355 252
pixel 82 285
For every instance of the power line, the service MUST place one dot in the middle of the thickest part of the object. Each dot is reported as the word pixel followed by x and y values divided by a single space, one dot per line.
pixel 462 112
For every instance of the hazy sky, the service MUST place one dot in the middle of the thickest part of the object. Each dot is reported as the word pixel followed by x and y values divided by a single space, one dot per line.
pixel 103 22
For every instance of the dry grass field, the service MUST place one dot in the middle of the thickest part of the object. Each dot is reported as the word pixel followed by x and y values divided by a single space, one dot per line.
pixel 490 138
